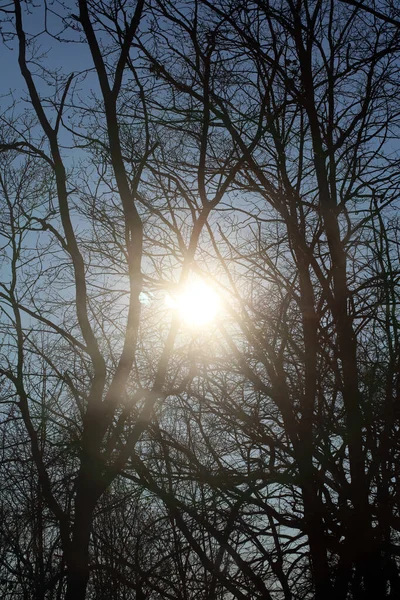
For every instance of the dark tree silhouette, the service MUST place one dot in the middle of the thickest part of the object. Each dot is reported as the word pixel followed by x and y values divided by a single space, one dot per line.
pixel 251 145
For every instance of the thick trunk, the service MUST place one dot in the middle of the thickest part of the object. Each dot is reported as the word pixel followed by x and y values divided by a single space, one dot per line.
pixel 77 558
pixel 77 580
pixel 316 540
pixel 313 507
pixel 78 565
pixel 361 539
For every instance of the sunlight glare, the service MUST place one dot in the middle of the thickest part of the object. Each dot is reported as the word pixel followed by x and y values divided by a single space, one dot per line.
pixel 197 304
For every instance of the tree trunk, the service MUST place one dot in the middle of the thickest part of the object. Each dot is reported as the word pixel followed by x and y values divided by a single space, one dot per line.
pixel 78 553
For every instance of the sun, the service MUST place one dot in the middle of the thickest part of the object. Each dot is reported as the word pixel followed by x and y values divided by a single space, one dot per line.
pixel 197 303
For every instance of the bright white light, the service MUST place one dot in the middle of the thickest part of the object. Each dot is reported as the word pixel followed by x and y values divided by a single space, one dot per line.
pixel 197 304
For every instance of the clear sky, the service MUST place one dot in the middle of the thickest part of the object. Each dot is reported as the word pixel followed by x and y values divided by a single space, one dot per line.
pixel 62 57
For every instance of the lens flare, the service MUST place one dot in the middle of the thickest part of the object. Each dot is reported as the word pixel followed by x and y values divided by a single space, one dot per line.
pixel 197 304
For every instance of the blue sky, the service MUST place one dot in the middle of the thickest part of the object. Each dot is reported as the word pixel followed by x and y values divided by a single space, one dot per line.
pixel 61 57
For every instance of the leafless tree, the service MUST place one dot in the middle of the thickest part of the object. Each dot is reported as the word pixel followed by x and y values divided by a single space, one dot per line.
pixel 253 145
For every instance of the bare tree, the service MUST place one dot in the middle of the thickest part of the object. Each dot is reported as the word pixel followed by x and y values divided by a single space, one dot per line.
pixel 252 145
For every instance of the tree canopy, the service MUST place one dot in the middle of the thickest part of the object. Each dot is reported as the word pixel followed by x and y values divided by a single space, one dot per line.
pixel 199 300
